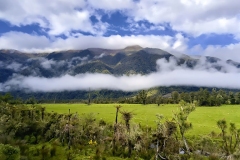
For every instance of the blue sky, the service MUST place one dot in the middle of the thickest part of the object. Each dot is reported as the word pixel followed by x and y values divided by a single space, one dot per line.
pixel 205 27
pixel 193 27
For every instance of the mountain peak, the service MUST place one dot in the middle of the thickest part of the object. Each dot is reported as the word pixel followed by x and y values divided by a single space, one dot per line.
pixel 9 51
pixel 133 48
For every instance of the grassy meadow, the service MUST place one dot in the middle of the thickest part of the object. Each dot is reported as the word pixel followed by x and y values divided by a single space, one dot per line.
pixel 204 119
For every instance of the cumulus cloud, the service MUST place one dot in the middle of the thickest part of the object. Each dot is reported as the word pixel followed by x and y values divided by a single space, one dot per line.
pixel 218 26
pixel 168 74
pixel 112 5
pixel 227 52
pixel 61 17
pixel 191 16
pixel 34 43
pixel 23 41
pixel 55 17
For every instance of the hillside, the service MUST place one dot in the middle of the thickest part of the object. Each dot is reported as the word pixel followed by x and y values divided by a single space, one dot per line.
pixel 132 60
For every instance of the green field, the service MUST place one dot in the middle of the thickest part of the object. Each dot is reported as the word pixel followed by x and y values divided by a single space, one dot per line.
pixel 203 118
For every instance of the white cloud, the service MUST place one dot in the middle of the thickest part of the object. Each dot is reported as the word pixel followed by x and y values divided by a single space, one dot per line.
pixel 23 41
pixel 194 17
pixel 47 64
pixel 60 17
pixel 218 26
pixel 139 28
pixel 34 43
pixel 77 60
pixel 115 41
pixel 14 65
pixel 223 52
pixel 73 21
pixel 191 16
pixel 175 45
pixel 11 65
pixel 180 43
pixel 100 56
pixel 168 74
pixel 111 5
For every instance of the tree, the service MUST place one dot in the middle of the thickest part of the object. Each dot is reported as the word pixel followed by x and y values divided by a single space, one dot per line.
pixel 162 137
pixel 7 98
pixel 127 116
pixel 187 98
pixel 231 140
pixel 143 96
pixel 175 96
pixel 181 119
pixel 232 98
pixel 31 100
pixel 238 98
pixel 219 100
pixel 192 95
pixel 89 97
pixel 213 98
pixel 9 152
pixel 203 97
pixel 224 96
pixel 159 100
pixel 115 129
pixel 43 112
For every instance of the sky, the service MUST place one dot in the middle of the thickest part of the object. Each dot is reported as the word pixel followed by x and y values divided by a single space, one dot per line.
pixel 194 27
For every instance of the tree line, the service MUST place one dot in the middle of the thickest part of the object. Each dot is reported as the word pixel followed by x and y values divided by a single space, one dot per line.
pixel 203 97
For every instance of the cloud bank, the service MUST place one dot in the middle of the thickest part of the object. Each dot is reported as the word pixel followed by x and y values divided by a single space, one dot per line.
pixel 42 43
pixel 204 74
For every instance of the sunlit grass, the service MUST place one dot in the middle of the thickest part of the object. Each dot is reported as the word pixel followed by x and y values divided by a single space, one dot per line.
pixel 204 119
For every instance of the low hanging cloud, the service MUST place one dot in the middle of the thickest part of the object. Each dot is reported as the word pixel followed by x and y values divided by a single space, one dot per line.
pixel 36 43
pixel 13 65
pixel 168 74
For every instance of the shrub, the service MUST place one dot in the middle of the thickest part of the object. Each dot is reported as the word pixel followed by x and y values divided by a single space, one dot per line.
pixel 9 152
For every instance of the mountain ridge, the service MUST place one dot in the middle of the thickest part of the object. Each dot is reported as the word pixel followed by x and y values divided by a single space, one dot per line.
pixel 131 60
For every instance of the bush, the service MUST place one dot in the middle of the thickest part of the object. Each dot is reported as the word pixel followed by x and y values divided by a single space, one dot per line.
pixel 32 139
pixel 9 152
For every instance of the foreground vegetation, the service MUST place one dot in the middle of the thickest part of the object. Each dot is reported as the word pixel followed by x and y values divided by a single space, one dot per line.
pixel 117 131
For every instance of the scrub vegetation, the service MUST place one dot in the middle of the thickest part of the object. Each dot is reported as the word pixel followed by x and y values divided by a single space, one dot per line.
pixel 117 131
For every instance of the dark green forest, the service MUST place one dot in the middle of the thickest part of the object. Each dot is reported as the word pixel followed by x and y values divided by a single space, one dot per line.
pixel 162 95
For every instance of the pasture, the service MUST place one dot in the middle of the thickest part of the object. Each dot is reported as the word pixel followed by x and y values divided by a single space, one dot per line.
pixel 204 119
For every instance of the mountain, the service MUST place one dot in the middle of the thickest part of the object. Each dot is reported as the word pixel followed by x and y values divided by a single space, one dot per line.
pixel 127 61
pixel 130 60
pixel 133 48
